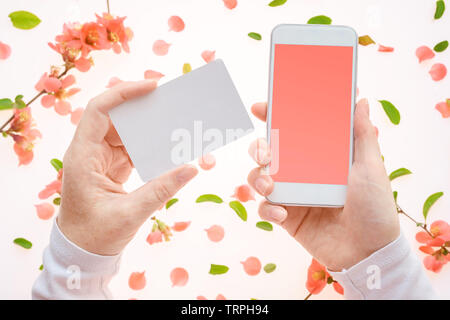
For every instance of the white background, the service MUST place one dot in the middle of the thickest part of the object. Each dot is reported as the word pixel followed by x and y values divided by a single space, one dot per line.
pixel 421 141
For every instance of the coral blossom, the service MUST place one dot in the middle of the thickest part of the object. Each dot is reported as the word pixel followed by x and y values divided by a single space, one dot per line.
pixel 318 278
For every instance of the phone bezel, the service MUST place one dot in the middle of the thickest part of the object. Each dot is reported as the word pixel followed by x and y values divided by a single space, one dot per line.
pixel 308 194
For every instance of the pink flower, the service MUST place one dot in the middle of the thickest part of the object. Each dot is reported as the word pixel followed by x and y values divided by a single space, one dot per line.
pixel 24 134
pixel 318 278
pixel 94 36
pixel 5 51
pixel 444 108
pixel 435 245
pixel 118 35
pixel 56 92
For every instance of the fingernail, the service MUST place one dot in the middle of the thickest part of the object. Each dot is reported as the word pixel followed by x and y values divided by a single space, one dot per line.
pixel 261 185
pixel 277 214
pixel 186 174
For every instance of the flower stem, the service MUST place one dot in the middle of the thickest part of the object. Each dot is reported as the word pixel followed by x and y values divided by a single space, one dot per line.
pixel 107 5
pixel 308 296
pixel 66 69
pixel 423 226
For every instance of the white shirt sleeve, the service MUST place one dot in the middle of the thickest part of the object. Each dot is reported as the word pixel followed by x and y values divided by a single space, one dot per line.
pixel 393 272
pixel 73 273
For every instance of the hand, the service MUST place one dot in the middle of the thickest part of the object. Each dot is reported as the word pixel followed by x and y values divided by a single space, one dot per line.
pixel 96 213
pixel 338 237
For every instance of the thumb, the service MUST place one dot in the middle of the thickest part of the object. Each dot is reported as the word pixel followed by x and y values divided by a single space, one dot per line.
pixel 366 142
pixel 151 196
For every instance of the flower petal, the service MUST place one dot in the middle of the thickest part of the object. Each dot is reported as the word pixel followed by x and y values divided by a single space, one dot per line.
pixel 75 116
pixel 5 51
pixel 438 71
pixel 153 75
pixel 423 237
pixel 252 266
pixel 48 100
pixel 244 193
pixel 113 81
pixel 83 64
pixel 444 109
pixel 382 48
pixel 68 81
pixel 63 107
pixel 137 280
pixel 207 162
pixel 180 226
pixel 179 277
pixel 160 47
pixel 424 53
pixel 215 233
pixel 154 237
pixel 208 55
pixel 220 297
pixel 176 24
pixel 45 210
pixel 52 84
pixel 230 4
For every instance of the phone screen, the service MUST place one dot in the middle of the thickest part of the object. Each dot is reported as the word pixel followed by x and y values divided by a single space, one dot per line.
pixel 311 109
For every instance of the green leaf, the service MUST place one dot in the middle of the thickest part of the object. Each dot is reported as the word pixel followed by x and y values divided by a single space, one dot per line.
pixel 395 193
pixel 6 104
pixel 186 68
pixel 171 202
pixel 57 164
pixel 57 201
pixel 270 267
pixel 391 111
pixel 18 102
pixel 239 209
pixel 210 198
pixel 276 3
pixel 24 20
pixel 440 8
pixel 24 243
pixel 320 20
pixel 365 40
pixel 264 225
pixel 218 269
pixel 255 35
pixel 41 267
pixel 398 173
pixel 441 46
pixel 429 202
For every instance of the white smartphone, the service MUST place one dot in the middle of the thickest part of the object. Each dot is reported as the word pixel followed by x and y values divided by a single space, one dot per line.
pixel 312 91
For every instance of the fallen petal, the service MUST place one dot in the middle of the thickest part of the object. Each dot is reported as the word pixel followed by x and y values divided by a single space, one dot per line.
pixel 176 24
pixel 382 48
pixel 244 193
pixel 424 53
pixel 207 162
pixel 252 266
pixel 153 75
pixel 113 81
pixel 5 51
pixel 444 109
pixel 154 237
pixel 438 71
pixel 201 298
pixel 220 297
pixel 137 280
pixel 181 226
pixel 179 277
pixel 48 100
pixel 45 210
pixel 208 56
pixel 215 233
pixel 160 47
pixel 63 107
pixel 230 4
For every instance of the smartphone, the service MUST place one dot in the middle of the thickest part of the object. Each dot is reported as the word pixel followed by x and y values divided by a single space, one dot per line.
pixel 312 91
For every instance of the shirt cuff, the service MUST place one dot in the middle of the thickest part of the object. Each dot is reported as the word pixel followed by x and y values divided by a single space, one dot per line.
pixel 392 272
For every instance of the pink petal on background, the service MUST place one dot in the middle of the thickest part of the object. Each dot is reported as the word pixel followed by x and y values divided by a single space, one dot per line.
pixel 438 71
pixel 176 24
pixel 50 189
pixel 52 84
pixel 76 115
pixel 382 48
pixel 44 210
pixel 444 109
pixel 424 53
pixel 244 193
pixel 230 4
pixel 220 297
pixel 179 277
pixel 83 64
pixel 48 101
pixel 63 108
pixel 208 56
pixel 5 51
pixel 113 81
pixel 207 162
pixel 160 47
pixel 181 226
pixel 153 75
pixel 215 233
pixel 252 266
pixel 137 280
pixel 154 237
pixel 201 298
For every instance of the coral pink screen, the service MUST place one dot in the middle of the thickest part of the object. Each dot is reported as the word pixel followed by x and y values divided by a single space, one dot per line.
pixel 311 108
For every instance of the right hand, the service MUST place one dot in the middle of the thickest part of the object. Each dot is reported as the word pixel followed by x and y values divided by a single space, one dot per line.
pixel 337 237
